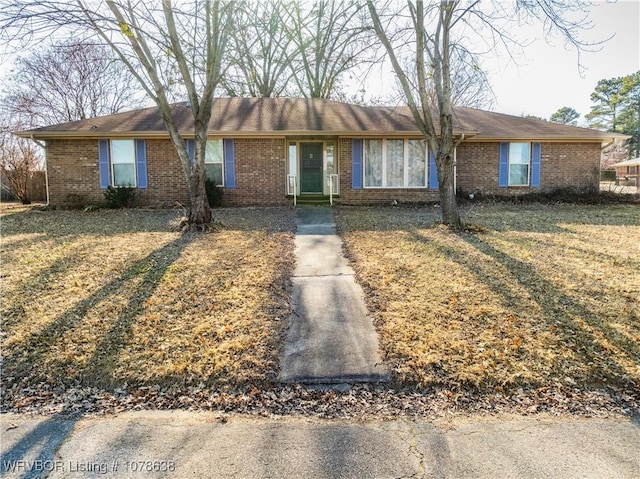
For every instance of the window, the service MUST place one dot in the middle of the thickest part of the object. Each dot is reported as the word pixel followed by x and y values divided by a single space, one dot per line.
pixel 373 163
pixel 330 159
pixel 519 161
pixel 213 160
pixel 293 159
pixel 416 164
pixel 123 163
pixel 395 163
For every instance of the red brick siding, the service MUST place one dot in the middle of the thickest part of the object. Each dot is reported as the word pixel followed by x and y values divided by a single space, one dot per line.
pixel 72 166
pixel 74 178
pixel 261 173
pixel 563 165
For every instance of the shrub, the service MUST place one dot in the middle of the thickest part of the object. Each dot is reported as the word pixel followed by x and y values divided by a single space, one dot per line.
pixel 214 193
pixel 121 197
pixel 75 201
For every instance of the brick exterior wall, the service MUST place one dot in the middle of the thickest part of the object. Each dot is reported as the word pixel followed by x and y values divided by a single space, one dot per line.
pixel 74 178
pixel 563 165
pixel 261 173
pixel 72 166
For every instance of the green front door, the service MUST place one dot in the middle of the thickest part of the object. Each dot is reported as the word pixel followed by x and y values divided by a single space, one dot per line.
pixel 311 168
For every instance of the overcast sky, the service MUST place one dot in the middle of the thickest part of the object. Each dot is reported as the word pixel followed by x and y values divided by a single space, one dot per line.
pixel 549 77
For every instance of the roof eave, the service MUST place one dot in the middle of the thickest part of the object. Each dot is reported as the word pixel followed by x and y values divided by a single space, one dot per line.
pixel 548 138
pixel 50 135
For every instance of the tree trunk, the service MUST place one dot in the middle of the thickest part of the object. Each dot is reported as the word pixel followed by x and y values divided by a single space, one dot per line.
pixel 446 183
pixel 446 167
pixel 199 212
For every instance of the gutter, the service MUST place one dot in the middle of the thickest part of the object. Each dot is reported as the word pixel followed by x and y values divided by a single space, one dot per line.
pixel 46 170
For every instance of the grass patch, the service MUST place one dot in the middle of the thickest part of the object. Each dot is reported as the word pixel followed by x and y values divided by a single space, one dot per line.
pixel 543 295
pixel 114 298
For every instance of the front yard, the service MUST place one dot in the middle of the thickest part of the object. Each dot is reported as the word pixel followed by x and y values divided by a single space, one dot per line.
pixel 114 299
pixel 110 310
pixel 537 296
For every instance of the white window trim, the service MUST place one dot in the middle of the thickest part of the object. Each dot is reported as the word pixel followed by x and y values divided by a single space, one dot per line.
pixel 528 183
pixel 384 166
pixel 111 163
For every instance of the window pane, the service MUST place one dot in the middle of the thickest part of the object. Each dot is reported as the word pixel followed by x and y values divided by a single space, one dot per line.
pixel 292 159
pixel 124 174
pixel 417 162
pixel 213 151
pixel 518 175
pixel 214 172
pixel 122 151
pixel 330 170
pixel 395 163
pixel 518 153
pixel 373 163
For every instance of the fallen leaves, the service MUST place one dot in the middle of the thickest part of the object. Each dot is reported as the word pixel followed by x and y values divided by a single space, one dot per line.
pixel 132 302
pixel 537 294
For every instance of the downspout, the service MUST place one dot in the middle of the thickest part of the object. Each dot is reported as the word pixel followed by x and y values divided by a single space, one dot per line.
pixel 46 172
pixel 455 162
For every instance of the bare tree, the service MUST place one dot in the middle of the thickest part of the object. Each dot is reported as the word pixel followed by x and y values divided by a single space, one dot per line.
pixel 331 38
pixel 432 34
pixel 163 46
pixel 263 51
pixel 69 81
pixel 19 160
pixel 470 85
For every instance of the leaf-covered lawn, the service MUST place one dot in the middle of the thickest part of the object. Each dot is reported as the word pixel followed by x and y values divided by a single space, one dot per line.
pixel 543 295
pixel 114 298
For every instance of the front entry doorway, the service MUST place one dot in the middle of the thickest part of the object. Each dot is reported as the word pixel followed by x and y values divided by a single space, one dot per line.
pixel 311 168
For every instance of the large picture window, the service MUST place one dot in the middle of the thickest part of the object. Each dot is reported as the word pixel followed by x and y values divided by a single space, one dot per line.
pixel 123 163
pixel 395 163
pixel 519 161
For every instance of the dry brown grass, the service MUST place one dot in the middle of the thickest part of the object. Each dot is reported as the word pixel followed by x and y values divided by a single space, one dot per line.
pixel 542 296
pixel 110 298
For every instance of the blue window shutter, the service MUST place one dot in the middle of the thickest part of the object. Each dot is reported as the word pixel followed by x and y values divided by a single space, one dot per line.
pixel 535 164
pixel 356 164
pixel 191 150
pixel 433 172
pixel 103 163
pixel 229 163
pixel 141 163
pixel 503 170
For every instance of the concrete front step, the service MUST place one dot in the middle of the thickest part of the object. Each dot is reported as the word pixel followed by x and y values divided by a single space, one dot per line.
pixel 316 200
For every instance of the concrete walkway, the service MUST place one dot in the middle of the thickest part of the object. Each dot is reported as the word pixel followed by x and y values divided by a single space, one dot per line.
pixel 330 339
pixel 187 444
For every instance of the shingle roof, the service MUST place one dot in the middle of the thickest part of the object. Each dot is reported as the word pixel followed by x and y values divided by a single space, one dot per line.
pixel 302 116
pixel 492 125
